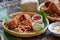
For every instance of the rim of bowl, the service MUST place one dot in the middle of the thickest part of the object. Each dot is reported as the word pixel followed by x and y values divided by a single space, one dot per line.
pixel 40 6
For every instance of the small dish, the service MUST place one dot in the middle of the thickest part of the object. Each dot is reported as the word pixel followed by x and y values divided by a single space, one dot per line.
pixel 37 25
pixel 1 37
pixel 37 17
pixel 53 28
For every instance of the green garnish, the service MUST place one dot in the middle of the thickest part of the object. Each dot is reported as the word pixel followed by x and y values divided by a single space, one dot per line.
pixel 41 11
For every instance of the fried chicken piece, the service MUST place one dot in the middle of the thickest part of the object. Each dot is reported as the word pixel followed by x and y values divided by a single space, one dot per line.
pixel 56 8
pixel 22 16
pixel 18 30
pixel 25 28
pixel 27 16
pixel 18 16
pixel 47 3
pixel 27 22
pixel 12 24
pixel 52 7
pixel 48 10
pixel 21 23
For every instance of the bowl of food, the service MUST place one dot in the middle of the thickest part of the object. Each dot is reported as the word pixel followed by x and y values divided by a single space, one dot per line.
pixel 52 8
pixel 1 37
pixel 38 24
pixel 37 18
pixel 21 25
pixel 55 28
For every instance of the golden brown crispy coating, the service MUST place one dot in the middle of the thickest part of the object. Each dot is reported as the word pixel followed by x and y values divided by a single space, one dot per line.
pixel 52 7
pixel 21 23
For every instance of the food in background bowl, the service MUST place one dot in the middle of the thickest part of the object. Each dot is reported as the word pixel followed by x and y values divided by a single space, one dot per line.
pixel 55 28
pixel 52 8
pixel 21 25
pixel 37 18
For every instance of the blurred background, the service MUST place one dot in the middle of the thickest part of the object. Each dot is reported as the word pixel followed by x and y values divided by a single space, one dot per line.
pixel 10 6
pixel 19 0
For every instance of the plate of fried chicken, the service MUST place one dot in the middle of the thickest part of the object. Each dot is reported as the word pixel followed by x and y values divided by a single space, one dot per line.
pixel 51 7
pixel 25 24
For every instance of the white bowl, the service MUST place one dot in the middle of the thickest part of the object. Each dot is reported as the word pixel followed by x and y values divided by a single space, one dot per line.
pixel 1 37
pixel 51 28
pixel 37 27
pixel 37 15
